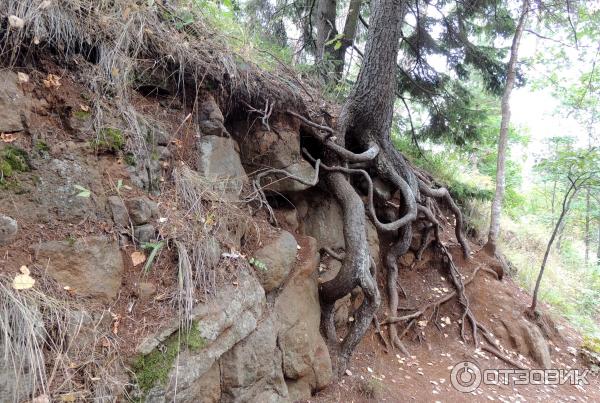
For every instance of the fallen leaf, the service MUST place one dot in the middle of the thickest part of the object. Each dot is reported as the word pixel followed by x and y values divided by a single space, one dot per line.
pixel 23 281
pixel 84 108
pixel 22 77
pixel 8 137
pixel 51 81
pixel 138 258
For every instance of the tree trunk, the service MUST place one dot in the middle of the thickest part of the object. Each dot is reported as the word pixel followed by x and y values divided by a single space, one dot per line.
pixel 566 204
pixel 598 250
pixel 588 235
pixel 366 115
pixel 326 29
pixel 503 137
pixel 331 50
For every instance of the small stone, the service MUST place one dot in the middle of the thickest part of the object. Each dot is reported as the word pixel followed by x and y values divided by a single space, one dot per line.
pixel 118 210
pixel 145 290
pixel 140 210
pixel 144 233
pixel 8 230
pixel 348 372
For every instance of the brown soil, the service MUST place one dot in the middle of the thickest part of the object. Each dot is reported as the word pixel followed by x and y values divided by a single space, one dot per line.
pixel 424 376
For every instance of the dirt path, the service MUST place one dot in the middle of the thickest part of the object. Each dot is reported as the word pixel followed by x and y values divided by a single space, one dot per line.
pixel 425 376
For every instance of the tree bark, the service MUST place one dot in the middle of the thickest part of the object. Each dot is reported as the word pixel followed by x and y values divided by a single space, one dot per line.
pixel 588 236
pixel 326 29
pixel 566 204
pixel 503 136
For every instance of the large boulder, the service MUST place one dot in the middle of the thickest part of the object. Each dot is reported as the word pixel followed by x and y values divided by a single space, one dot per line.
pixel 14 104
pixel 322 219
pixel 251 371
pixel 221 324
pixel 91 267
pixel 276 148
pixel 278 257
pixel 8 230
pixel 306 361
pixel 219 163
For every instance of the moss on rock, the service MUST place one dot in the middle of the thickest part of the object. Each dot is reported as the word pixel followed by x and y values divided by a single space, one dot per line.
pixel 153 369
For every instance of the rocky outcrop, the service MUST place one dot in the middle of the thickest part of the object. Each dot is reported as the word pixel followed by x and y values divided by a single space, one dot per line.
pixel 526 338
pixel 251 371
pixel 321 218
pixel 253 350
pixel 219 162
pixel 8 230
pixel 90 267
pixel 229 318
pixel 278 257
pixel 14 104
pixel 306 361
pixel 276 148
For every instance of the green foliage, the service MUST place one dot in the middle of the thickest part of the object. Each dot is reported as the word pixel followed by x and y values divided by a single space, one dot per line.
pixel 446 168
pixel 13 159
pixel 592 344
pixel 153 368
pixel 154 249
pixel 82 115
pixel 108 140
pixel 83 192
pixel 258 264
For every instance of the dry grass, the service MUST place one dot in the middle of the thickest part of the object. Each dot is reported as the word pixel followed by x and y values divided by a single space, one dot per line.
pixel 53 346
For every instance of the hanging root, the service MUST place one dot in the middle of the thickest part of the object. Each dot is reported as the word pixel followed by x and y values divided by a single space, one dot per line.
pixel 355 271
pixel 382 159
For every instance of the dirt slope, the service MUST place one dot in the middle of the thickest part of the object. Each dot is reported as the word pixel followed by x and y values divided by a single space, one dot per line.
pixel 425 376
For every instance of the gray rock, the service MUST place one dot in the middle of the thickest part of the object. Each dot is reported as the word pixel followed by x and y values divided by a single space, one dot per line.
pixel 91 267
pixel 219 163
pixel 211 252
pixel 222 323
pixel 55 192
pixel 205 389
pixel 290 216
pixel 163 153
pixel 140 210
pixel 146 175
pixel 537 344
pixel 212 128
pixel 253 368
pixel 300 169
pixel 306 361
pixel 209 110
pixel 280 149
pixel 8 230
pixel 324 221
pixel 14 104
pixel 118 211
pixel 144 233
pixel 279 256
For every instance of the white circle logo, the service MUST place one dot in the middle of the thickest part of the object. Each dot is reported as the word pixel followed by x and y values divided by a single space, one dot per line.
pixel 465 376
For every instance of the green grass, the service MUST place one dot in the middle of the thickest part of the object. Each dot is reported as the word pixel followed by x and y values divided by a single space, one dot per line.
pixel 571 288
pixel 108 140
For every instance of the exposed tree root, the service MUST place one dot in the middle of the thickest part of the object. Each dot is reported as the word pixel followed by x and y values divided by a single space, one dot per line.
pixel 384 161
